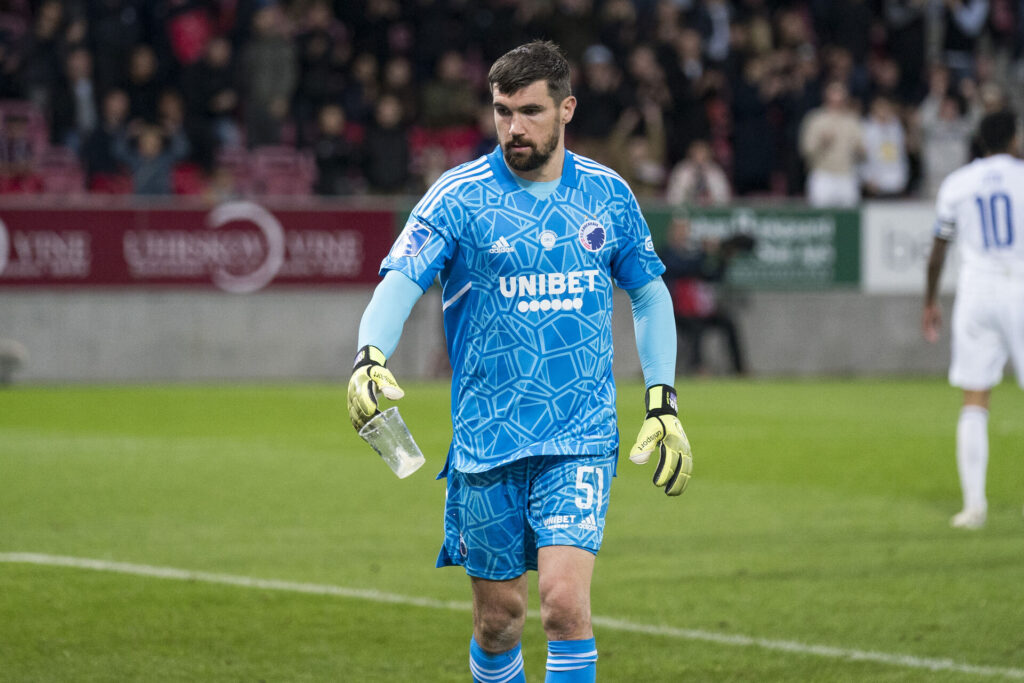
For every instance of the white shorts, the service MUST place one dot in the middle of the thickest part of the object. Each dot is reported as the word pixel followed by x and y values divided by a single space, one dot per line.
pixel 988 330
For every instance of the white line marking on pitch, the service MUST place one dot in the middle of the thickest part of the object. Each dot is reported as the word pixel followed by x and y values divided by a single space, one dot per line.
pixel 905 661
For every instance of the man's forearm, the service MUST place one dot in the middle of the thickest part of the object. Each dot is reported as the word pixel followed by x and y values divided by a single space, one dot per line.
pixel 935 262
pixel 654 324
pixel 385 315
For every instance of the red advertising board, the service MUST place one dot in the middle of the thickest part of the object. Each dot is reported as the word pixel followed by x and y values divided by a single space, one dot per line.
pixel 237 246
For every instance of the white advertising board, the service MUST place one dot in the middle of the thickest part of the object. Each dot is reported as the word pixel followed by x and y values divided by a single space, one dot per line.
pixel 896 238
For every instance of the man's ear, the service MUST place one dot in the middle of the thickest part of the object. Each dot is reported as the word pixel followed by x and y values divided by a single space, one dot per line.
pixel 568 108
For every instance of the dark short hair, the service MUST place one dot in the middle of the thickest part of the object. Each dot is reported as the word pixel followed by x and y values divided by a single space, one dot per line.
pixel 541 60
pixel 996 131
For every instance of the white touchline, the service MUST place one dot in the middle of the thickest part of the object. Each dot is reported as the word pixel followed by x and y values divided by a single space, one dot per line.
pixel 898 660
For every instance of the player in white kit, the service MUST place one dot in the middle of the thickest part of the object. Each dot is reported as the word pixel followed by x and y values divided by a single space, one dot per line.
pixel 981 206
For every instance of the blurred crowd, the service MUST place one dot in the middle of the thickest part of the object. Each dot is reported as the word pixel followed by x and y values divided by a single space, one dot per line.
pixel 692 101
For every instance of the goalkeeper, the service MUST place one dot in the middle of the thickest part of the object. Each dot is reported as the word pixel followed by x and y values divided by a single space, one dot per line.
pixel 527 242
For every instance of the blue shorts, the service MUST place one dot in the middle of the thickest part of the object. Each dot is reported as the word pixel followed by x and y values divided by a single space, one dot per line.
pixel 494 521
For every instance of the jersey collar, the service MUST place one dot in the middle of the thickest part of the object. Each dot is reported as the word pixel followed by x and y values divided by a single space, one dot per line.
pixel 509 184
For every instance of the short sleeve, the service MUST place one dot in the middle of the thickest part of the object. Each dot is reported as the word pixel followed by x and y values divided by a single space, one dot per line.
pixel 635 263
pixel 945 211
pixel 421 251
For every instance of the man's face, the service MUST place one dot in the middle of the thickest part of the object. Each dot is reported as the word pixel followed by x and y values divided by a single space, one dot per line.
pixel 530 124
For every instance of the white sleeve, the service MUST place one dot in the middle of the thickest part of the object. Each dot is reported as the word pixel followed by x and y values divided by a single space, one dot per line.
pixel 945 211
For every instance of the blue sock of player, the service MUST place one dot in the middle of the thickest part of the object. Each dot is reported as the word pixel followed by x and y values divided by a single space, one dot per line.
pixel 572 661
pixel 505 667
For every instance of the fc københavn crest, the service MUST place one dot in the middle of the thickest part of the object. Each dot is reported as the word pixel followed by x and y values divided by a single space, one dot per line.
pixel 592 235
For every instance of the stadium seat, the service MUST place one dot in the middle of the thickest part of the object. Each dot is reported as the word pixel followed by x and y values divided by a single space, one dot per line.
pixel 233 170
pixel 60 171
pixel 282 170
pixel 187 179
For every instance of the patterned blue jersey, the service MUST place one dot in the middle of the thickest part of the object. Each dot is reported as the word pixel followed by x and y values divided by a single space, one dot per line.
pixel 527 300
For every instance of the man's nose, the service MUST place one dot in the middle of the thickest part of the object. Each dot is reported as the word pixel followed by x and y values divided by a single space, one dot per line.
pixel 515 125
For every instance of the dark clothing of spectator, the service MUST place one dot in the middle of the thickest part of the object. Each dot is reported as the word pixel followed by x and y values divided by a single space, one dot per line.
pixel 321 79
pixel 753 140
pixel 211 105
pixel 847 23
pixel 386 160
pixel 598 111
pixel 75 113
pixel 906 32
pixel 338 165
pixel 98 152
pixel 115 27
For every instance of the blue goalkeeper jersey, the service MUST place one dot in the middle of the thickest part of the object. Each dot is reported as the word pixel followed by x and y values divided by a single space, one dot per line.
pixel 527 300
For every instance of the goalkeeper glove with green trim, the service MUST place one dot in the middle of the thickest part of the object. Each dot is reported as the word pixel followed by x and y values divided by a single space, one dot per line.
pixel 368 377
pixel 662 431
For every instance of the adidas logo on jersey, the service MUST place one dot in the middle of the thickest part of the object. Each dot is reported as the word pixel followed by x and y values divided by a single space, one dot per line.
pixel 501 246
pixel 588 523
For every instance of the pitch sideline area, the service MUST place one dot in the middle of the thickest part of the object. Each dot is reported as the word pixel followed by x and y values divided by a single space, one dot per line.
pixel 736 640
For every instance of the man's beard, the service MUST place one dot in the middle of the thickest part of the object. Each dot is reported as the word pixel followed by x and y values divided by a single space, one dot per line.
pixel 537 156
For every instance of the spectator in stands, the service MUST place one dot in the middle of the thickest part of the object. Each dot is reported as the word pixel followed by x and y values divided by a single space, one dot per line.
pixel 144 83
pixel 905 26
pixel 637 149
pixel 18 157
pixel 363 89
pixel 963 23
pixel 885 169
pixel 104 169
pixel 601 98
pixel 488 138
pixel 398 80
pixel 151 153
pixel 41 55
pixel 698 179
pixel 618 28
pixel 753 136
pixel 185 26
pixel 831 140
pixel 269 74
pixel 386 150
pixel 688 81
pixel 338 157
pixel 322 54
pixel 945 130
pixel 75 102
pixel 694 272
pixel 448 98
pixel 115 29
pixel 212 100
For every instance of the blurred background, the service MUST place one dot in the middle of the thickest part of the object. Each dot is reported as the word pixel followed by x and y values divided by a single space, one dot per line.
pixel 203 189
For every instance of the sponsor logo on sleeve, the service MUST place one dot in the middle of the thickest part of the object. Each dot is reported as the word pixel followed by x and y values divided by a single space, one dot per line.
pixel 412 240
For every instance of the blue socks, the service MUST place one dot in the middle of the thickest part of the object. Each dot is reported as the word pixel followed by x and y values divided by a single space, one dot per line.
pixel 569 661
pixel 572 661
pixel 506 667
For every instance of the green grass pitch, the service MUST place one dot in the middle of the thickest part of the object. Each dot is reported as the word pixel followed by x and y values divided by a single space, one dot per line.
pixel 812 545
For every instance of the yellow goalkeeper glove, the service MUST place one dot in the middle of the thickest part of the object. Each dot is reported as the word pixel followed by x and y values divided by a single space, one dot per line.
pixel 368 377
pixel 662 431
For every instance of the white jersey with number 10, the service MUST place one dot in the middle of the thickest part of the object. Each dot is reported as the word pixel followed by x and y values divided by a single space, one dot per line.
pixel 982 206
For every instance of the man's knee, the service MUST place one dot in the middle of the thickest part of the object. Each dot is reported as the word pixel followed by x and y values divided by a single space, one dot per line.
pixel 498 622
pixel 564 610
